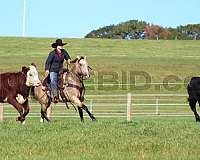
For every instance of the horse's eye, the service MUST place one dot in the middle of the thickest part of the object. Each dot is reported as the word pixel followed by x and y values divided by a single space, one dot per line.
pixel 30 74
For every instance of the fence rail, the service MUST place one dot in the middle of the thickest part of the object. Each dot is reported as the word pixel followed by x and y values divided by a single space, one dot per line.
pixel 119 105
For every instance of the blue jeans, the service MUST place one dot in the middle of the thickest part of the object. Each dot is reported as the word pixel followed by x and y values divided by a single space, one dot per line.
pixel 54 81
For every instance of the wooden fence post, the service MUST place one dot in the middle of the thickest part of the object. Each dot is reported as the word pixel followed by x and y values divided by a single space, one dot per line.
pixel 1 112
pixel 128 106
pixel 157 113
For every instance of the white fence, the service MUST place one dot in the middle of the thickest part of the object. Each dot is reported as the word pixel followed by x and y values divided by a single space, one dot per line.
pixel 123 105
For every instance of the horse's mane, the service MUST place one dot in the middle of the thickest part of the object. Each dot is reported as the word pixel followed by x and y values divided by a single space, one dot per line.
pixel 77 59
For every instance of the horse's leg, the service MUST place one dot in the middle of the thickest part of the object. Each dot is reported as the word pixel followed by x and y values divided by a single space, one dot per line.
pixel 26 110
pixel 80 114
pixel 80 105
pixel 44 113
pixel 88 112
pixel 45 102
pixel 17 106
pixel 192 103
pixel 42 116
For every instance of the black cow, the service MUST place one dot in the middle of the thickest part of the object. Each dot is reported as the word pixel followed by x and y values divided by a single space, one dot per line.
pixel 193 89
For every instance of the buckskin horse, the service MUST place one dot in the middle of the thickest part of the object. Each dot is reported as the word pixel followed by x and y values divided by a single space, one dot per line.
pixel 73 89
pixel 14 89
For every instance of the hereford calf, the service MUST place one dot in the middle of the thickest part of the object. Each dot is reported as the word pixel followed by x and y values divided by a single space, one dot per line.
pixel 14 89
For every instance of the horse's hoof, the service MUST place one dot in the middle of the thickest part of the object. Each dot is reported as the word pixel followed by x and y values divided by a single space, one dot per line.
pixel 41 120
pixel 22 119
pixel 94 120
pixel 23 122
pixel 18 118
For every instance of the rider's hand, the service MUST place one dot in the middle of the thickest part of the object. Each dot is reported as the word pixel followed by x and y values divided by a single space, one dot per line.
pixel 46 73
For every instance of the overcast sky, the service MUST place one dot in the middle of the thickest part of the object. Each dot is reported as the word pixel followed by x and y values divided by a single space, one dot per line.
pixel 75 18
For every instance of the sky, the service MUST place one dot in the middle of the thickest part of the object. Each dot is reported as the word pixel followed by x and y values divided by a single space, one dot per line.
pixel 76 18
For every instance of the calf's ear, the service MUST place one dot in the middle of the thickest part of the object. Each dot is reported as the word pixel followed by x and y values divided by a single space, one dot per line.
pixel 33 64
pixel 25 69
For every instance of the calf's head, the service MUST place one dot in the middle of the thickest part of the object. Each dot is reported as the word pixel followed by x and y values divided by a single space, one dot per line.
pixel 31 73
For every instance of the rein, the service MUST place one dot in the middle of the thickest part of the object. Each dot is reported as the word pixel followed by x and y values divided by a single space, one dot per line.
pixel 74 86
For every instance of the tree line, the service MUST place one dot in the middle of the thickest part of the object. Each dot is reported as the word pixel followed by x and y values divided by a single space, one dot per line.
pixel 135 29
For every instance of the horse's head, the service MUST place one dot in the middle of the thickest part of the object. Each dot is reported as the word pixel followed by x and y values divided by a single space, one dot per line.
pixel 81 67
pixel 31 73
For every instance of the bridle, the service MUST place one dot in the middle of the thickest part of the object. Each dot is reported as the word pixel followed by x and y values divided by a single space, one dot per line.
pixel 81 74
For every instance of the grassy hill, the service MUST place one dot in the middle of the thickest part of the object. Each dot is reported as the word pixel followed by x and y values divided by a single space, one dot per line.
pixel 123 59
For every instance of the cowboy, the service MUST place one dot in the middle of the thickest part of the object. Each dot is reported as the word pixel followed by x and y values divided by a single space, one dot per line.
pixel 54 64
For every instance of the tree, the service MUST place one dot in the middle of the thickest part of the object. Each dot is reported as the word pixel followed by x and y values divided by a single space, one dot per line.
pixel 135 29
pixel 152 31
pixel 166 34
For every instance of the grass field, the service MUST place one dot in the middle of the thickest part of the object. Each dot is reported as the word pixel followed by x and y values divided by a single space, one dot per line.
pixel 143 138
pixel 109 138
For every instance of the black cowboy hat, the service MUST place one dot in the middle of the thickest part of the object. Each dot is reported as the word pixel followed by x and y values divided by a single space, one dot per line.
pixel 58 43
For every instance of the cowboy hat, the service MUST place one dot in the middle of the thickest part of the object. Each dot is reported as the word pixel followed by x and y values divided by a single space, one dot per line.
pixel 58 43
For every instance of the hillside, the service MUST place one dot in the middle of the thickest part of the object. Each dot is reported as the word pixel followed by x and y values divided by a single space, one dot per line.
pixel 119 58
pixel 135 29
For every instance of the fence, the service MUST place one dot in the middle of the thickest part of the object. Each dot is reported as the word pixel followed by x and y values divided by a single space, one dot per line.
pixel 123 105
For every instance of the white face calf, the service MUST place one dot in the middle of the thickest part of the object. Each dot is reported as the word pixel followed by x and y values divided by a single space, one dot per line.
pixel 32 77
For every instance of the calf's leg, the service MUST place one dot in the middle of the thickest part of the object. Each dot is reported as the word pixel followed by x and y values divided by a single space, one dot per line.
pixel 26 111
pixel 19 108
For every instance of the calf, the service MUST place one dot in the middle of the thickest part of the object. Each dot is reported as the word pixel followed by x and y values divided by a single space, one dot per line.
pixel 14 89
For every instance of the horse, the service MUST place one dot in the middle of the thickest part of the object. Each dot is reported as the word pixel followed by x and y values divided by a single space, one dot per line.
pixel 15 87
pixel 73 89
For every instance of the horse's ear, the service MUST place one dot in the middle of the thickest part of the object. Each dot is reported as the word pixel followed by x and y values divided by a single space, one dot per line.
pixel 78 57
pixel 85 57
pixel 74 61
pixel 25 69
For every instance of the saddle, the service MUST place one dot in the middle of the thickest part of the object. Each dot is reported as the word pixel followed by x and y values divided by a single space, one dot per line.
pixel 60 87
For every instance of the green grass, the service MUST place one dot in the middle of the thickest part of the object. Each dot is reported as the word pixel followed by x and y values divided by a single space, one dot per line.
pixel 157 58
pixel 142 138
